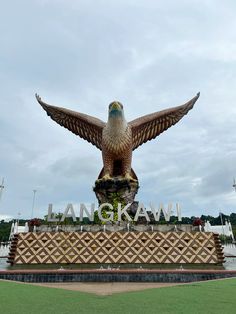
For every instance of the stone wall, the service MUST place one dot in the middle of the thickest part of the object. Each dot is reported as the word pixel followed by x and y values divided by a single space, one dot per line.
pixel 115 276
pixel 121 227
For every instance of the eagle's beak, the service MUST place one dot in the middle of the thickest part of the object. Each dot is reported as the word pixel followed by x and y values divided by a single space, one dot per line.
pixel 115 106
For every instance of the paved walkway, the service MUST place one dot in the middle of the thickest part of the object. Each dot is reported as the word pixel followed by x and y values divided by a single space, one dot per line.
pixel 108 288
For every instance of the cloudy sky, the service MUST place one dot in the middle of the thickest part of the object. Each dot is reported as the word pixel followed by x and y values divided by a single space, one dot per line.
pixel 149 55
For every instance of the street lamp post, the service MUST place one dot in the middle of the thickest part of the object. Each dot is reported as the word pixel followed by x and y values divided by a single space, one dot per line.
pixel 1 188
pixel 234 186
pixel 32 211
pixel 18 217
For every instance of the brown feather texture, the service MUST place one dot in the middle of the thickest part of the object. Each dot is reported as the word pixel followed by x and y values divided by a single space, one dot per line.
pixel 117 138
pixel 87 127
pixel 150 126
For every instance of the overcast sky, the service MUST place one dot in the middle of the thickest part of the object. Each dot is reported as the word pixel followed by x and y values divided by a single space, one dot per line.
pixel 149 55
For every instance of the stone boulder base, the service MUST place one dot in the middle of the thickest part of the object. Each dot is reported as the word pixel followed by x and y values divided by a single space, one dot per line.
pixel 118 190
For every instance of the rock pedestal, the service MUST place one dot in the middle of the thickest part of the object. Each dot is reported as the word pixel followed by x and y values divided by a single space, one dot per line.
pixel 117 190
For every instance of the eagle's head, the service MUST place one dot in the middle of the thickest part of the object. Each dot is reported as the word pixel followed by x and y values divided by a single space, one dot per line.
pixel 116 110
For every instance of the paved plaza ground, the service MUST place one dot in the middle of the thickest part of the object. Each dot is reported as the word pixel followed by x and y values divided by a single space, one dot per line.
pixel 106 288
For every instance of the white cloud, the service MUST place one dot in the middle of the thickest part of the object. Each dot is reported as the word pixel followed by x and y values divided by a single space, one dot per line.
pixel 149 55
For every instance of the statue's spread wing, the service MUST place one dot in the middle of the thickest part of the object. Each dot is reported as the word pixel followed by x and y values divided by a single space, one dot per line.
pixel 85 126
pixel 150 126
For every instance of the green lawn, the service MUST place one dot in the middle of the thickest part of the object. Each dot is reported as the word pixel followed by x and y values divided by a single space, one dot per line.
pixel 201 298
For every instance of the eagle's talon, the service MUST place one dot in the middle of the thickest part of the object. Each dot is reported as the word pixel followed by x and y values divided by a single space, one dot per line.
pixel 106 177
pixel 129 178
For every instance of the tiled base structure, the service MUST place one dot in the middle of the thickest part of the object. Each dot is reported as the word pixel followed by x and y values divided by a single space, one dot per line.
pixel 116 248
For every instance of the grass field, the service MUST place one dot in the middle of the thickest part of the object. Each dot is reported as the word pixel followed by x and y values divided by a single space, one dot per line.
pixel 207 297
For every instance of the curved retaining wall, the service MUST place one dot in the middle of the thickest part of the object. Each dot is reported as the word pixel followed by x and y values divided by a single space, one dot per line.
pixel 115 276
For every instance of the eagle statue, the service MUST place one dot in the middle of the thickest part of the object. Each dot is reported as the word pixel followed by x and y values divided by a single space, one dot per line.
pixel 117 138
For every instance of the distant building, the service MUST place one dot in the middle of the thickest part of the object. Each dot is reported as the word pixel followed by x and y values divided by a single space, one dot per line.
pixel 225 230
pixel 15 228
